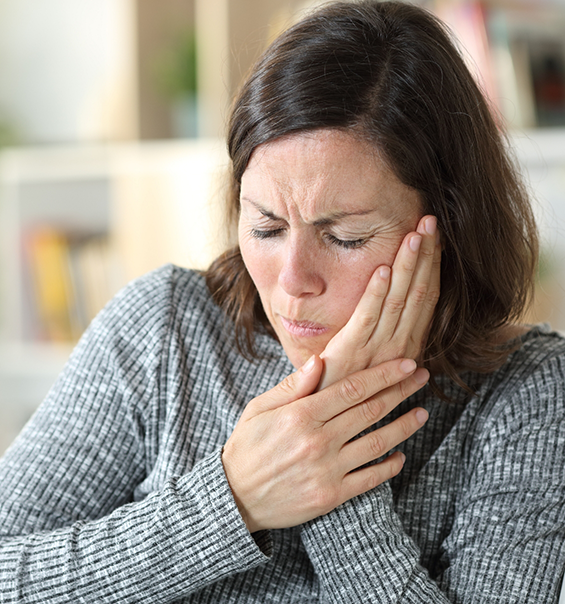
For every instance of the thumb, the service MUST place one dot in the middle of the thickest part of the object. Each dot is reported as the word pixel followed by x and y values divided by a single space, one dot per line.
pixel 297 385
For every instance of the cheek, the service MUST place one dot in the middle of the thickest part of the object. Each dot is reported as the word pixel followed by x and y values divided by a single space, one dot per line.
pixel 346 286
pixel 350 278
pixel 261 272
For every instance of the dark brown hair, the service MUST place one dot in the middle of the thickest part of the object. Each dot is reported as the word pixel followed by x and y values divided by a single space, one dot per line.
pixel 390 71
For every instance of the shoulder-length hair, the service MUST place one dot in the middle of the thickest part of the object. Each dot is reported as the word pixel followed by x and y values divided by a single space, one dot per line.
pixel 390 72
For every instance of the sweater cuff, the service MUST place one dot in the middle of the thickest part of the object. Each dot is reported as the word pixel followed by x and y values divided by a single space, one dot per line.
pixel 361 553
pixel 218 506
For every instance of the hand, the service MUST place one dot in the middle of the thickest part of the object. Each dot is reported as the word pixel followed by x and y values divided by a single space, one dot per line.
pixel 394 314
pixel 290 457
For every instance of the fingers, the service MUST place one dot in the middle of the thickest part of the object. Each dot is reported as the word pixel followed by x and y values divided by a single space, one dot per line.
pixel 379 442
pixel 297 385
pixel 410 281
pixel 360 417
pixel 428 304
pixel 374 445
pixel 368 311
pixel 403 269
pixel 408 308
pixel 424 289
pixel 357 388
pixel 366 479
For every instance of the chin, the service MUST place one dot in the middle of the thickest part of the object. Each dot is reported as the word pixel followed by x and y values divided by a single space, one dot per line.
pixel 298 355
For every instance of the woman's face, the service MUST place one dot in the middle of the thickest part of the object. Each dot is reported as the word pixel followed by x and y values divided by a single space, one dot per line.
pixel 319 213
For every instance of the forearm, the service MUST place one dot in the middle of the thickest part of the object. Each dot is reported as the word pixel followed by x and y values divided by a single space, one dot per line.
pixel 176 541
pixel 361 554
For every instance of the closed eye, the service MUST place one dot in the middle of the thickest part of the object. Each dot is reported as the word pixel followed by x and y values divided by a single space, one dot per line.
pixel 345 243
pixel 265 233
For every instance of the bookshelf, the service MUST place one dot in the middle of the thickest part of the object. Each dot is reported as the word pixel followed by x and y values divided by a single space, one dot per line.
pixel 160 202
pixel 150 202
pixel 147 203
pixel 67 192
pixel 516 48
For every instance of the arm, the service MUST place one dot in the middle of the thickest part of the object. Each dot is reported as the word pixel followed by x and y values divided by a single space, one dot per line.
pixel 507 538
pixel 70 530
pixel 504 542
pixel 361 553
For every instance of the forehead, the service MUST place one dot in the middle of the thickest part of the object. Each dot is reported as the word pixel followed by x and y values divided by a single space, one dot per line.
pixel 324 170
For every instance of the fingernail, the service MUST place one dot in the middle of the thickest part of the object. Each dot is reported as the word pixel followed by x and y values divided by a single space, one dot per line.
pixel 403 458
pixel 431 225
pixel 309 365
pixel 421 376
pixel 415 243
pixel 408 365
pixel 422 416
pixel 384 272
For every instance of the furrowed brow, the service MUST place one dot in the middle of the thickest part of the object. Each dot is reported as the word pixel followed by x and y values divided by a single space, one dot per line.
pixel 321 222
pixel 261 209
pixel 339 215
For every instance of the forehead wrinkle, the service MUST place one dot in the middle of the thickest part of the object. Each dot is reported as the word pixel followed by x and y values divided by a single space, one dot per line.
pixel 303 196
pixel 336 216
pixel 298 179
pixel 320 222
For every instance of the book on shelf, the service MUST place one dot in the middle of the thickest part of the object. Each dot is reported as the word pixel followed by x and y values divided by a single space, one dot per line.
pixel 70 278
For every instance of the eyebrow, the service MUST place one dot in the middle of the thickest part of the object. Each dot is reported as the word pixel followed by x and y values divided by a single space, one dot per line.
pixel 330 219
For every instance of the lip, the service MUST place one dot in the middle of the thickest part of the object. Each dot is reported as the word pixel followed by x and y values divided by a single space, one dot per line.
pixel 303 329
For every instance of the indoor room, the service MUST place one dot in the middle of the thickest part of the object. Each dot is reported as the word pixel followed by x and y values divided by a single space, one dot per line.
pixel 114 163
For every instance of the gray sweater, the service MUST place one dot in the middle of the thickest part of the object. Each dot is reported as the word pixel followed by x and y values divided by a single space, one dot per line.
pixel 115 491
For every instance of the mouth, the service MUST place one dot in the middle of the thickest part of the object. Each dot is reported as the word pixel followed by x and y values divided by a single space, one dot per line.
pixel 303 328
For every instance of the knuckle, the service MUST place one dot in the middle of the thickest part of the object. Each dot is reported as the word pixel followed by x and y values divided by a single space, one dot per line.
pixel 293 420
pixel 287 386
pixel 407 265
pixel 352 389
pixel 405 389
pixel 432 297
pixel 394 305
pixel 367 321
pixel 384 375
pixel 373 410
pixel 303 450
pixel 405 427
pixel 310 447
pixel 428 251
pixel 373 479
pixel 377 445
pixel 419 294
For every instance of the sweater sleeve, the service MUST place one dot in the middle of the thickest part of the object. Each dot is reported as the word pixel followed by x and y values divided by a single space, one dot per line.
pixel 70 528
pixel 361 553
pixel 505 543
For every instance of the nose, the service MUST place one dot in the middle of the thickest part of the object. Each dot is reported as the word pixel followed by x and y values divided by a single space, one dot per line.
pixel 300 272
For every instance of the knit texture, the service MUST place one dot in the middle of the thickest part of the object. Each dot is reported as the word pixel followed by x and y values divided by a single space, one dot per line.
pixel 115 492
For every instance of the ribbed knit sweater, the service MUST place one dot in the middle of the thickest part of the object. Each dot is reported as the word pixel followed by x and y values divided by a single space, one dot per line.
pixel 115 490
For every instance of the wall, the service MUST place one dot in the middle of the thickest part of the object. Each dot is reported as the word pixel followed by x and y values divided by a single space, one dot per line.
pixel 66 69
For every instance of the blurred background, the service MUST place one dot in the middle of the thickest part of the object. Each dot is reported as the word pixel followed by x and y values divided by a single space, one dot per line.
pixel 112 158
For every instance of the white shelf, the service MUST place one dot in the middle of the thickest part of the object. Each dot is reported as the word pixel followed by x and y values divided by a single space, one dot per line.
pixel 157 202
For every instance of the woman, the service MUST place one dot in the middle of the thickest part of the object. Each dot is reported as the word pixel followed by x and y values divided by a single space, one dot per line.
pixel 213 437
